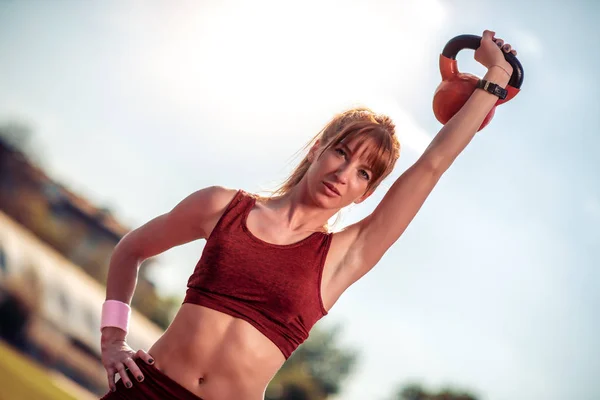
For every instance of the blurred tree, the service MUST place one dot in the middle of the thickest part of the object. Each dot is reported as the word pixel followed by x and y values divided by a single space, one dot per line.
pixel 67 222
pixel 415 391
pixel 19 136
pixel 16 134
pixel 316 370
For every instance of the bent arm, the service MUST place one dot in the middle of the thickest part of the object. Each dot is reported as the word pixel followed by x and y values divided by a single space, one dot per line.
pixel 193 218
pixel 377 232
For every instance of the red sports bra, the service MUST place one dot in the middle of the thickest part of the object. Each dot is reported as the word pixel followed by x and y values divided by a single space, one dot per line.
pixel 276 288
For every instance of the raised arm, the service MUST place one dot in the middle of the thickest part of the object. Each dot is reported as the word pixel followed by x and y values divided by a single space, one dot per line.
pixel 377 232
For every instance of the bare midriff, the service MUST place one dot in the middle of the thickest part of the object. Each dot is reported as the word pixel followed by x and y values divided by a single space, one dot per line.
pixel 216 356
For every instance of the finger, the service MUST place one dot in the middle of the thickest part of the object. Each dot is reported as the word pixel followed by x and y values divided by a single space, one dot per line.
pixel 499 42
pixel 506 48
pixel 110 374
pixel 134 370
pixel 514 52
pixel 124 377
pixel 145 356
pixel 488 35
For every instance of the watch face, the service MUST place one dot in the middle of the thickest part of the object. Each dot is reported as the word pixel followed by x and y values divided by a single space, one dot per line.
pixel 493 88
pixel 498 91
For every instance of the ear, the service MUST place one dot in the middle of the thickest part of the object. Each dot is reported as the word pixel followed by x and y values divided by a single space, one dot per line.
pixel 314 151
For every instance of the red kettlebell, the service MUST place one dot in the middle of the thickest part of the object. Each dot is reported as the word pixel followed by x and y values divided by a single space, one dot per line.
pixel 457 87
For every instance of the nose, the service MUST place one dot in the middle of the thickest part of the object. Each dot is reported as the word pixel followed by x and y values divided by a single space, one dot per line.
pixel 341 174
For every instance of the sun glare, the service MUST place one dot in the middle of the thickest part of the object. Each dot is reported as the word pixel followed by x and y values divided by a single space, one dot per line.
pixel 282 57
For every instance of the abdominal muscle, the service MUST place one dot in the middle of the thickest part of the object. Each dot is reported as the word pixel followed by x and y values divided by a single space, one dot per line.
pixel 216 356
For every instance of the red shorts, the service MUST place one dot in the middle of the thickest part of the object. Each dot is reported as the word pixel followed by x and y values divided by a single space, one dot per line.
pixel 155 386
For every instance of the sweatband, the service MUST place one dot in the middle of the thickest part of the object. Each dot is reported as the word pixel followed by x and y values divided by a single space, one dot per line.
pixel 116 314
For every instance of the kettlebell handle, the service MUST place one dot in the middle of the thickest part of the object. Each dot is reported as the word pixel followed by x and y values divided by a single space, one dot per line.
pixel 461 42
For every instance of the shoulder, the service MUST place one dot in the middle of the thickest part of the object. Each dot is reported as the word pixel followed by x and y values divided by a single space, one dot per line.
pixel 203 207
pixel 192 218
pixel 219 196
pixel 211 199
pixel 212 196
pixel 212 202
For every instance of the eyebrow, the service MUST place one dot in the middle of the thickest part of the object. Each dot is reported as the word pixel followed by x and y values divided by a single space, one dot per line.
pixel 345 146
pixel 366 166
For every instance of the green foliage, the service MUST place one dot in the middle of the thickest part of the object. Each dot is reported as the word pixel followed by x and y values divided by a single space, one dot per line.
pixel 316 370
pixel 415 391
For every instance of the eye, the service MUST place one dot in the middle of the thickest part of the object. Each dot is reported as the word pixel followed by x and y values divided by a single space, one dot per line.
pixel 341 152
pixel 364 174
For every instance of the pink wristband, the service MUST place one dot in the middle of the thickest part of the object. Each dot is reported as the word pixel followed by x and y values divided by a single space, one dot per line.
pixel 115 313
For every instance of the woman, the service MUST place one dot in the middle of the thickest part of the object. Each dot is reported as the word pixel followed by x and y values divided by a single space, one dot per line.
pixel 270 269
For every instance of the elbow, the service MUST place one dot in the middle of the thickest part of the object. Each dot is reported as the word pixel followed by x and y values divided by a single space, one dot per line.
pixel 126 252
pixel 434 165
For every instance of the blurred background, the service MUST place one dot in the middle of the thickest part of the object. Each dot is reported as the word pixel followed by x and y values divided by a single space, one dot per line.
pixel 112 112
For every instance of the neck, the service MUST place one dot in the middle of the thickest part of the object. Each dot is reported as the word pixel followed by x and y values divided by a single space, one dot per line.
pixel 300 213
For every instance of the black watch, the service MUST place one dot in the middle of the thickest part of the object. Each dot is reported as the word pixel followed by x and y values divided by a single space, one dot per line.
pixel 492 88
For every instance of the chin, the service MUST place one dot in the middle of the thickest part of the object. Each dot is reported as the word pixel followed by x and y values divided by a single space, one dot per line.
pixel 319 199
pixel 327 202
pixel 324 201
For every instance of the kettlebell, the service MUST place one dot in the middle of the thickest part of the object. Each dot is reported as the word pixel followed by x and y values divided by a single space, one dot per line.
pixel 456 87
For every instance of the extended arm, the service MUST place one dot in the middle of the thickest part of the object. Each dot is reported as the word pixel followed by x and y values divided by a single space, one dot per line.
pixel 377 232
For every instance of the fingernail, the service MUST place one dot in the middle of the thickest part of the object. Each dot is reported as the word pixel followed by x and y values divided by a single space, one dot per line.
pixel 151 361
pixel 140 378
pixel 128 384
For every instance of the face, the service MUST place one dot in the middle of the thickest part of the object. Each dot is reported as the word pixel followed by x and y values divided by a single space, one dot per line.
pixel 340 175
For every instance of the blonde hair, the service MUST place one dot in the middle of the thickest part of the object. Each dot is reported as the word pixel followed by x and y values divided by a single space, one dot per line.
pixel 360 123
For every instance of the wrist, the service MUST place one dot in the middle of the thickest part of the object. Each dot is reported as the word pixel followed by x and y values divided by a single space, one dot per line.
pixel 115 314
pixel 112 334
pixel 504 65
pixel 498 75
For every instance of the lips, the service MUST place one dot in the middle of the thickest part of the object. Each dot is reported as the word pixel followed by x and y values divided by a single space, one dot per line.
pixel 332 188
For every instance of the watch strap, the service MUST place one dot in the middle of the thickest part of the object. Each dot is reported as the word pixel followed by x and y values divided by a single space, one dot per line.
pixel 492 88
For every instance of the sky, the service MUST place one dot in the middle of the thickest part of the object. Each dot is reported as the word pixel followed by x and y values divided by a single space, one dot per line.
pixel 492 288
